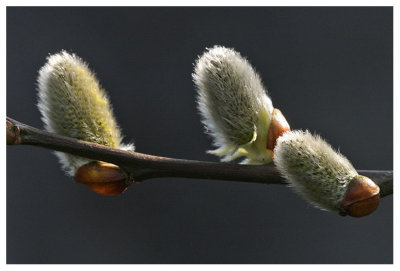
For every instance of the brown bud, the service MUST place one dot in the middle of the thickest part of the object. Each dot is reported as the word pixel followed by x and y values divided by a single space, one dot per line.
pixel 278 126
pixel 12 133
pixel 361 197
pixel 103 178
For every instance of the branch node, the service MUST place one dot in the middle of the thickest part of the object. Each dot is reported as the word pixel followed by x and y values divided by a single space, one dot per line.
pixel 13 134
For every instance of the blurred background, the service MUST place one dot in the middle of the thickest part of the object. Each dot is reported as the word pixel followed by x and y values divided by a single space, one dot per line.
pixel 327 69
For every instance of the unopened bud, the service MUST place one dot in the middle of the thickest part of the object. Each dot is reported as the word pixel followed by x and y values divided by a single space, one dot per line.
pixel 361 197
pixel 103 178
pixel 12 133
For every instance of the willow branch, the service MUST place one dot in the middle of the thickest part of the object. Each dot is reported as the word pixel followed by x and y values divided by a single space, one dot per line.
pixel 143 166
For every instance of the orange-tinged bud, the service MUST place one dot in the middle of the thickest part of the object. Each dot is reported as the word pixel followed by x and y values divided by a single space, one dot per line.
pixel 278 126
pixel 361 197
pixel 103 178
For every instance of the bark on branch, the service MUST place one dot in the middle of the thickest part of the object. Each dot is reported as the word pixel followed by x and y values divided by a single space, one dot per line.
pixel 143 166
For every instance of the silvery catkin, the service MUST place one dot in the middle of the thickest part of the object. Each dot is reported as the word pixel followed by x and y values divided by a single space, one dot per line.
pixel 73 104
pixel 313 169
pixel 234 106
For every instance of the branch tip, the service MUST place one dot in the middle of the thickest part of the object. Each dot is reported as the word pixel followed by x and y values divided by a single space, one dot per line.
pixel 13 133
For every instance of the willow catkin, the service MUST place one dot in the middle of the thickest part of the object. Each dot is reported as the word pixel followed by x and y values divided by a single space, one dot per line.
pixel 313 169
pixel 234 106
pixel 73 104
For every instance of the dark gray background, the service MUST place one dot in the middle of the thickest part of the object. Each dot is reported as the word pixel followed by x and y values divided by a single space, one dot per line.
pixel 328 70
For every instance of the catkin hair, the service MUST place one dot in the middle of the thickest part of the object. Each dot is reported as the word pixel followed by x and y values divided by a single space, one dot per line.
pixel 72 103
pixel 232 100
pixel 313 169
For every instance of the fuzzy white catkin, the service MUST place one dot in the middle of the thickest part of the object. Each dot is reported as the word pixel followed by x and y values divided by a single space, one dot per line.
pixel 313 169
pixel 234 106
pixel 73 104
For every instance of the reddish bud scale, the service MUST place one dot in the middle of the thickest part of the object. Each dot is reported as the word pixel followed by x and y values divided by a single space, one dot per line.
pixel 278 127
pixel 103 178
pixel 361 197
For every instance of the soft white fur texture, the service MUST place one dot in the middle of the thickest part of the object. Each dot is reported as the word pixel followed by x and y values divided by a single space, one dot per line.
pixel 313 169
pixel 232 100
pixel 73 104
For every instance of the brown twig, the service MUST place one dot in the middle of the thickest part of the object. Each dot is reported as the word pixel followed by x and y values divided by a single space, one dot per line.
pixel 143 166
